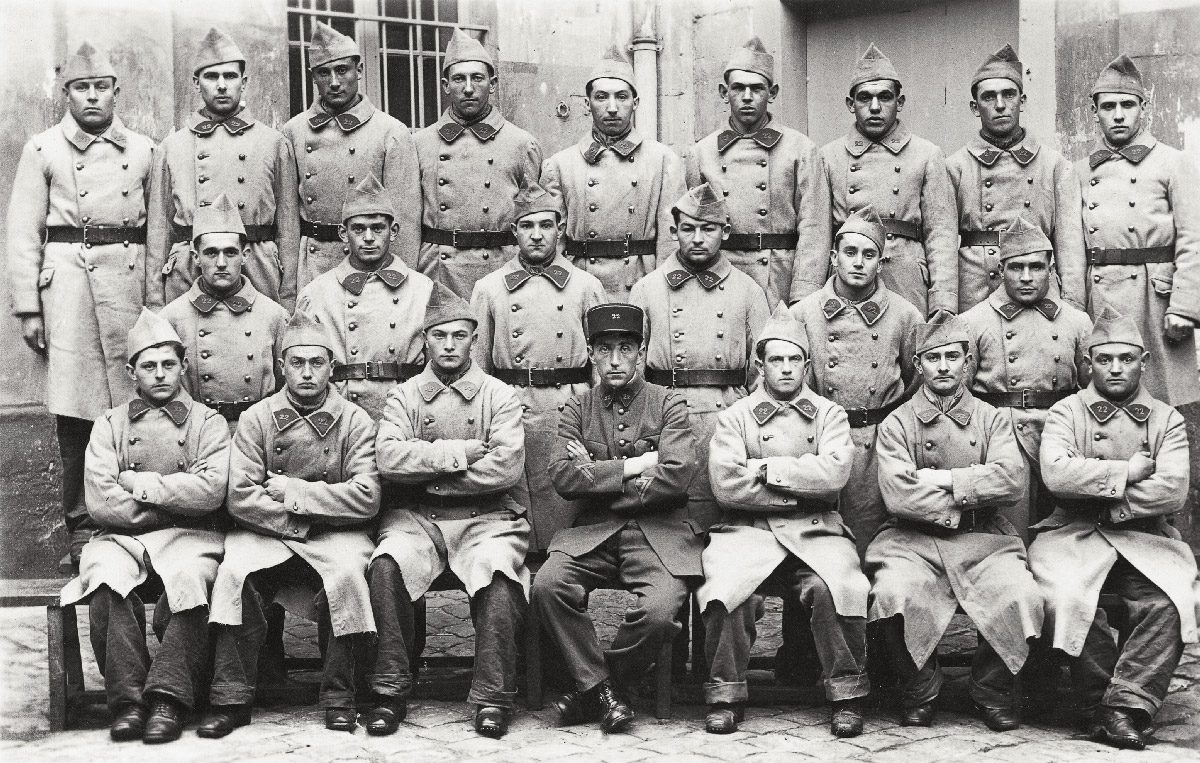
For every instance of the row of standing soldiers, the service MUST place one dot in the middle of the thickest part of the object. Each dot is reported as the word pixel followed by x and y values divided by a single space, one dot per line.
pixel 208 226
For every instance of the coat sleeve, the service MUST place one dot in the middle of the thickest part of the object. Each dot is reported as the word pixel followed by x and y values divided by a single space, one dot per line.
pixel 673 187
pixel 1067 235
pixel 248 502
pixel 402 178
pixel 109 504
pixel 160 212
pixel 354 500
pixel 692 176
pixel 405 458
pixel 756 318
pixel 503 466
pixel 731 471
pixel 811 268
pixel 27 230
pixel 820 475
pixel 667 481
pixel 1184 194
pixel 1066 472
pixel 481 308
pixel 939 220
pixel 574 479
pixel 999 478
pixel 192 495
pixel 287 221
pixel 531 163
pixel 906 492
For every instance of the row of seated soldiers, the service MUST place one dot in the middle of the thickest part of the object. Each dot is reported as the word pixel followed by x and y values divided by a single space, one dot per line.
pixel 841 449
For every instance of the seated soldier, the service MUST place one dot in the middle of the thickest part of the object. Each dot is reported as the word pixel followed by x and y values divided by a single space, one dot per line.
pixel 155 478
pixel 1116 460
pixel 779 459
pixel 626 451
pixel 304 491
pixel 948 467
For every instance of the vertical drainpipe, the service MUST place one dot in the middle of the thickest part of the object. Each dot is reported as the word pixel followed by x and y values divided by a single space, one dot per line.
pixel 645 49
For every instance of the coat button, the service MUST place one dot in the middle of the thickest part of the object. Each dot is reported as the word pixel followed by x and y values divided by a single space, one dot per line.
pixel 929 445
pixel 874 364
pixel 763 212
pixel 1027 204
pixel 82 194
pixel 897 168
pixel 352 150
pixel 205 354
pixel 442 207
pixel 558 334
pixel 242 157
pixel 442 181
pixel 987 184
pixel 515 308
pixel 591 181
pixel 1132 202
pixel 593 207
pixel 987 207
pixel 241 179
pixel 350 178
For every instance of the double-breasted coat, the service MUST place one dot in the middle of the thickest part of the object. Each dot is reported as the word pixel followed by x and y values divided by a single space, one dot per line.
pixel 1086 445
pixel 326 514
pixel 772 183
pixel 254 167
pixel 993 187
pixel 336 153
pixel 904 178
pixel 611 194
pixel 1148 195
pixel 89 295
pixel 805 448
pixel 862 358
pixel 469 177
pixel 535 320
pixel 165 511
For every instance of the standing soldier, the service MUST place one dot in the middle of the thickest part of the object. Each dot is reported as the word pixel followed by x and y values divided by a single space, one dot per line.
pixel 472 162
pixel 1027 352
pixel 1004 173
pixel 531 336
pixel 340 140
pixel 1117 460
pixel 947 464
pixel 702 317
pixel 903 177
pixel 769 174
pixel 76 260
pixel 223 150
pixel 617 184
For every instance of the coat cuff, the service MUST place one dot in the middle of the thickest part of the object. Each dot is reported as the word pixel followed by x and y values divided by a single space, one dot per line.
pixel 147 488
pixel 940 299
pixel 962 489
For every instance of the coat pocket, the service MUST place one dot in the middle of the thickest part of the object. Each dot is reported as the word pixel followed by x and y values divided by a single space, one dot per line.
pixel 1162 277
pixel 45 277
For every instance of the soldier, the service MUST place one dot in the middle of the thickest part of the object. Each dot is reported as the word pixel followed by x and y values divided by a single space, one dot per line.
pixel 453 435
pixel 702 317
pixel 779 459
pixel 472 163
pixel 304 489
pixel 903 177
pixel 155 478
pixel 947 464
pixel 617 185
pixel 1117 461
pixel 626 450
pixel 1027 353
pixel 340 140
pixel 77 287
pixel 769 174
pixel 234 333
pixel 1142 230
pixel 369 302
pixel 531 336
pixel 1005 173
pixel 223 150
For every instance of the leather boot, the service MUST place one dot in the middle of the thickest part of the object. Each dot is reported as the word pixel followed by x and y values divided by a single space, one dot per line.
pixel 491 721
pixel 222 720
pixel 616 713
pixel 1116 728
pixel 846 720
pixel 165 723
pixel 724 717
pixel 129 724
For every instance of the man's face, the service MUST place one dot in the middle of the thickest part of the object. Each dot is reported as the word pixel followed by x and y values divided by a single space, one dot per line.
pixel 783 368
pixel 1027 278
pixel 370 237
pixel 616 356
pixel 537 236
pixel 942 367
pixel 157 373
pixel 469 86
pixel 221 256
pixel 748 95
pixel 612 104
pixel 92 101
pixel 220 87
pixel 1117 368
pixel 998 103
pixel 448 345
pixel 856 260
pixel 1119 116
pixel 306 370
pixel 337 81
pixel 876 107
pixel 699 241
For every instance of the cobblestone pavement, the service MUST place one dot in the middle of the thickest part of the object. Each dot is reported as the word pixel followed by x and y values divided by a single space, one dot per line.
pixel 439 731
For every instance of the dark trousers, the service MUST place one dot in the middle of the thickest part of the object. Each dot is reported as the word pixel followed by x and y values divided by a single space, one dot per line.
pixel 1136 676
pixel 118 636
pixel 991 682
pixel 625 561
pixel 840 642
pixel 73 435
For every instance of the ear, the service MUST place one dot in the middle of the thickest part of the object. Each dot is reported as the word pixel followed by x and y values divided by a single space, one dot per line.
pixel 183 364
pixel 129 372
pixel 636 100
pixel 726 229
pixel 493 81
pixel 758 364
pixel 900 104
pixel 343 234
pixel 393 230
pixel 850 104
pixel 445 86
pixel 723 91
pixel 772 93
pixel 975 107
pixel 1022 101
pixel 359 67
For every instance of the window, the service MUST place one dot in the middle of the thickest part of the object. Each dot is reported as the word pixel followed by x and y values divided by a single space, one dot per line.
pixel 402 43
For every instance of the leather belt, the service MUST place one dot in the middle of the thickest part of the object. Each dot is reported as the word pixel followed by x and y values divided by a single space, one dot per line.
pixel 1024 398
pixel 697 377
pixel 468 239
pixel 903 229
pixel 970 522
pixel 435 500
pixel 543 377
pixel 319 231
pixel 1131 256
pixel 611 248
pixel 979 238
pixel 94 234
pixel 376 370
pixel 232 411
pixel 254 233
pixel 758 241
pixel 867 417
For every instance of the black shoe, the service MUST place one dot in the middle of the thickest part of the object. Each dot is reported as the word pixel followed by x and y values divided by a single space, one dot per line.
pixel 1115 727
pixel 129 725
pixel 384 718
pixel 222 720
pixel 165 723
pixel 616 713
pixel 921 715
pixel 999 718
pixel 723 718
pixel 491 721
pixel 846 719
pixel 576 707
pixel 340 719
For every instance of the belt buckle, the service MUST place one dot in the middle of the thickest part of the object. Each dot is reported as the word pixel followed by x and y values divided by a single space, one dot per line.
pixel 372 370
pixel 85 236
pixel 454 237
pixel 760 246
pixel 856 416
pixel 1025 398
pixel 675 375
pixel 531 376
pixel 625 243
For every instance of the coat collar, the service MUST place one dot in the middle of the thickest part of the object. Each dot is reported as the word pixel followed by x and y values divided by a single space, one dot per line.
pixel 592 149
pixel 237 303
pixel 115 134
pixel 353 280
pixel 347 121
pixel 1008 309
pixel 177 410
pixel 485 129
pixel 516 274
pixel 321 420
pixel 871 309
pixel 960 414
pixel 203 125
pixel 1135 150
pixel 895 141
pixel 625 396
pixel 468 385
pixel 986 154
pixel 1103 409
pixel 764 136
pixel 677 275
pixel 764 407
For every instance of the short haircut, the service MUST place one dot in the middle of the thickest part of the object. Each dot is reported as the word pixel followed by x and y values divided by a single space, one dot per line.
pixel 588 87
pixel 243 240
pixel 1096 97
pixel 283 355
pixel 895 82
pixel 975 87
pixel 355 59
pixel 180 351
pixel 760 348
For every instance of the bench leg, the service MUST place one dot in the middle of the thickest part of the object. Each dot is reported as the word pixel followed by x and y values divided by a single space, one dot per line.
pixel 74 661
pixel 533 662
pixel 56 659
